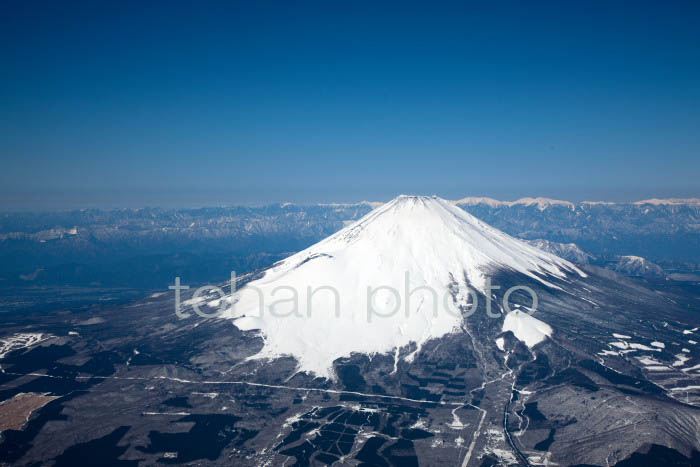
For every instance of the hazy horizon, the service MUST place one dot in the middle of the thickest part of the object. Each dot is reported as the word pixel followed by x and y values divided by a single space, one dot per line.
pixel 188 202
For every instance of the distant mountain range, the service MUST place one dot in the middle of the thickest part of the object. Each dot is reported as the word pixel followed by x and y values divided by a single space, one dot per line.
pixel 543 203
pixel 147 247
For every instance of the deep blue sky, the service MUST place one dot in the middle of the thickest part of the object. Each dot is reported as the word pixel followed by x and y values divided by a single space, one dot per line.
pixel 197 103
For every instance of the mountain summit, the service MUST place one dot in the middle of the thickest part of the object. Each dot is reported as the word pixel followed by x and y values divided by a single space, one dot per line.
pixel 399 275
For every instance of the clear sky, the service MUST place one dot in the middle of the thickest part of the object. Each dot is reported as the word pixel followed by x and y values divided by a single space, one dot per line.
pixel 198 103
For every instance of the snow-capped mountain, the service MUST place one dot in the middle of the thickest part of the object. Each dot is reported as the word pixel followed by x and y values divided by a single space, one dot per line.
pixel 637 266
pixel 412 243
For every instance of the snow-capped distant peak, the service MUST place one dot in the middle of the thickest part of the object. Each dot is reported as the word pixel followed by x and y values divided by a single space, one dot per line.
pixel 372 204
pixel 475 200
pixel 670 201
pixel 543 203
pixel 633 259
pixel 638 266
pixel 598 203
pixel 425 242
pixel 540 202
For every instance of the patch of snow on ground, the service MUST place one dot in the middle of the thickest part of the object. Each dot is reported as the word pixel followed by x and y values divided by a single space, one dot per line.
pixel 419 424
pixel 20 341
pixel 645 360
pixel 620 345
pixel 499 343
pixel 495 444
pixel 292 420
pixel 621 336
pixel 643 347
pixel 686 388
pixel 680 359
pixel 695 367
pixel 526 329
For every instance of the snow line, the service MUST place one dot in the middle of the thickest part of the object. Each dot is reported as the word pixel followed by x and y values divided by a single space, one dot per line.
pixel 248 383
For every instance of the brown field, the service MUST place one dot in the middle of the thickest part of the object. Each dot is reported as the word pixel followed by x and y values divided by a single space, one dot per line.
pixel 15 412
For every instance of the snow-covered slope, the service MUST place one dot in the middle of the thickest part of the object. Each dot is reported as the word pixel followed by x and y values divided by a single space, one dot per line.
pixel 526 329
pixel 436 247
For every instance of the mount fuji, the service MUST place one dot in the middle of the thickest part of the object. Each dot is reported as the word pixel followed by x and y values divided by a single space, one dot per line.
pixel 400 275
